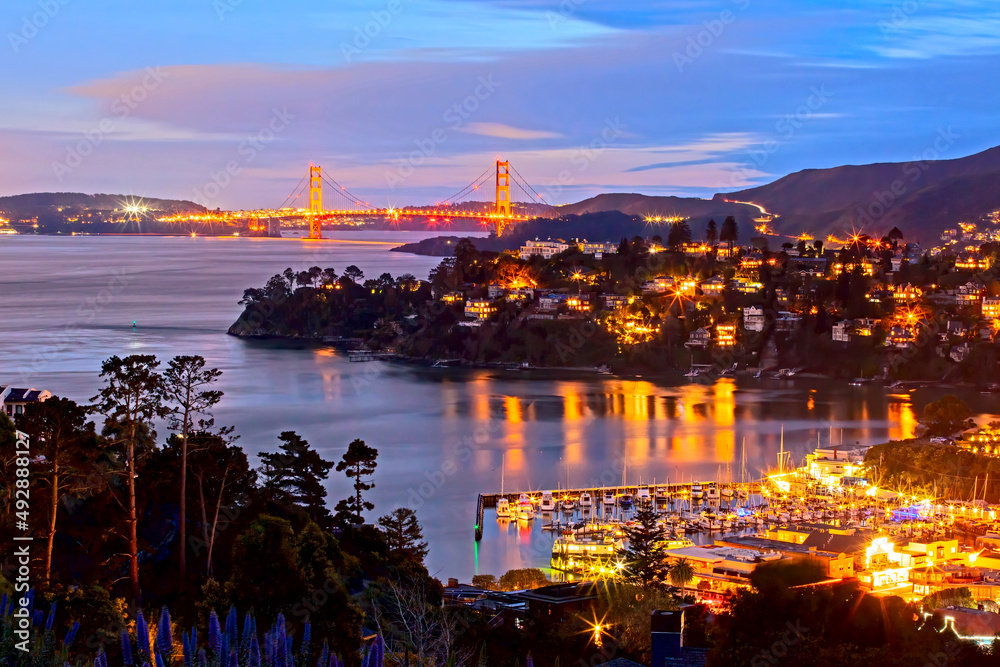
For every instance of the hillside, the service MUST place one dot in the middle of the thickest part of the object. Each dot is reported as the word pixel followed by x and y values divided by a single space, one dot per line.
pixel 32 203
pixel 697 211
pixel 920 197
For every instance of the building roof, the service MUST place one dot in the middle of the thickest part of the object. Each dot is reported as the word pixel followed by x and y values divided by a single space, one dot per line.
pixel 848 544
pixel 22 395
pixel 620 662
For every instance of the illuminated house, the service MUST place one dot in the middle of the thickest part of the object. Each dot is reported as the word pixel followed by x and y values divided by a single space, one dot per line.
pixel 545 249
pixel 495 291
pixel 725 335
pixel 907 294
pixel 616 301
pixel 713 286
pixel 969 294
pixel 519 293
pixel 686 286
pixel 453 297
pixel 660 284
pixel 866 266
pixel 786 321
pixel 865 326
pixel 694 248
pixel 480 309
pixel 579 303
pixel 991 308
pixel 899 337
pixel 723 569
pixel 971 262
pixel 884 569
pixel 596 249
pixel 829 465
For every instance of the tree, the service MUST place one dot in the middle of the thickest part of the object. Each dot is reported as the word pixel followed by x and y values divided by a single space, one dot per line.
pixel 730 232
pixel 296 474
pixel 644 559
pixel 946 416
pixel 712 233
pixel 526 578
pixel 185 382
pixel 403 534
pixel 679 234
pixel 358 462
pixel 67 444
pixel 224 478
pixel 681 572
pixel 354 273
pixel 487 582
pixel 131 398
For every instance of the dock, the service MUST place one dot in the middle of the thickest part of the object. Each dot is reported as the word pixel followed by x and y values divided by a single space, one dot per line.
pixel 674 490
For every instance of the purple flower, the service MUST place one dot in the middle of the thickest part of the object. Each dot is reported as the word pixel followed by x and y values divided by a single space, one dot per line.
pixel 164 637
pixel 126 649
pixel 71 634
pixel 214 634
pixel 231 629
pixel 142 635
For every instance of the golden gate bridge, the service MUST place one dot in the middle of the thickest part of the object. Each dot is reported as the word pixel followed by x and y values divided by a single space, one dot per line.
pixel 499 213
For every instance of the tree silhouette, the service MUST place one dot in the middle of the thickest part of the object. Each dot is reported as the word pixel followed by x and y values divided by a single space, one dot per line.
pixel 296 474
pixel 645 564
pixel 185 382
pixel 131 398
pixel 403 535
pixel 67 445
pixel 358 462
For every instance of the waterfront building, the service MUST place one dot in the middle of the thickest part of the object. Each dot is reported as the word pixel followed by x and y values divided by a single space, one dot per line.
pixel 721 569
pixel 991 308
pixel 725 335
pixel 698 338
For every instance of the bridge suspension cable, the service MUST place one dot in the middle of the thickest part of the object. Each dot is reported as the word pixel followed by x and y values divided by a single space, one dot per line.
pixel 295 192
pixel 345 193
pixel 471 187
pixel 525 187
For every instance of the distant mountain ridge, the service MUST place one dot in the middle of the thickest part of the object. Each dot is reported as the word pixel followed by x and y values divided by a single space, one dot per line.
pixel 695 209
pixel 919 197
pixel 27 203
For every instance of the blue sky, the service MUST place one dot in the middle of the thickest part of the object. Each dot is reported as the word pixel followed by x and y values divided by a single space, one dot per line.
pixel 406 101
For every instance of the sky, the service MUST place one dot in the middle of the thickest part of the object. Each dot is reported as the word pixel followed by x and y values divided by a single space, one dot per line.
pixel 228 102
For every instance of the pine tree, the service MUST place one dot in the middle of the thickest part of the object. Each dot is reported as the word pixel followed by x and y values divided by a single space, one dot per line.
pixel 403 534
pixel 712 233
pixel 358 462
pixel 645 563
pixel 730 232
pixel 296 474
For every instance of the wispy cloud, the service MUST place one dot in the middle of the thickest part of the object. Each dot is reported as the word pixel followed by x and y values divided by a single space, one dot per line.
pixel 501 131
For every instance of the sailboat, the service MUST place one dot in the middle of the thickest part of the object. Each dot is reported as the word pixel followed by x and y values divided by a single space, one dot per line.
pixel 503 506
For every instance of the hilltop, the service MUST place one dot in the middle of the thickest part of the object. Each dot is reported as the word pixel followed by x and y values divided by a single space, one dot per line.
pixel 30 204
pixel 924 196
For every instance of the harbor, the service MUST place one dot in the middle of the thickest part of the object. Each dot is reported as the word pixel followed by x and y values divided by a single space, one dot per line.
pixel 830 498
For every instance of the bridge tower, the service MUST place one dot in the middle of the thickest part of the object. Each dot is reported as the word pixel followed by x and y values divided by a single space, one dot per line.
pixel 315 202
pixel 502 209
